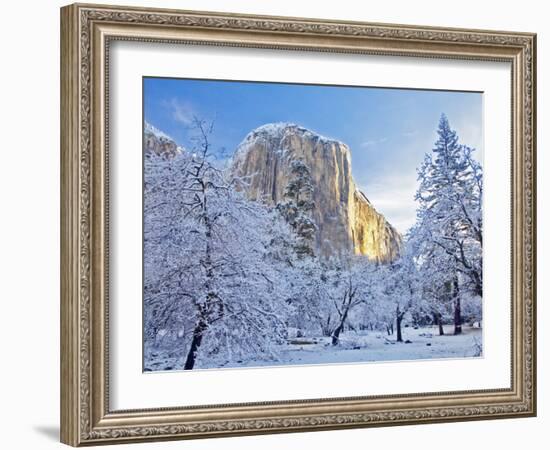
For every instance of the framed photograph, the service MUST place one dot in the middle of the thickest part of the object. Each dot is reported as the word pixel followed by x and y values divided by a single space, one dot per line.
pixel 276 224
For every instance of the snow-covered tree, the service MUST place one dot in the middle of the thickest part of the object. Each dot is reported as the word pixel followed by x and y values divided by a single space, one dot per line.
pixel 448 233
pixel 398 292
pixel 327 293
pixel 335 290
pixel 353 287
pixel 211 266
pixel 310 281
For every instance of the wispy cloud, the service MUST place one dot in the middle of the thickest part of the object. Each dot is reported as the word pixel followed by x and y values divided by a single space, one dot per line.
pixel 374 142
pixel 182 111
pixel 410 133
pixel 392 195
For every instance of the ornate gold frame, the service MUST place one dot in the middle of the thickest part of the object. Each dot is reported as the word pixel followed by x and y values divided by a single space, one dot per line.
pixel 86 31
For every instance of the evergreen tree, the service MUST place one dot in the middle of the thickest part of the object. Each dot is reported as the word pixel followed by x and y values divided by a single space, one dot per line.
pixel 448 234
pixel 297 207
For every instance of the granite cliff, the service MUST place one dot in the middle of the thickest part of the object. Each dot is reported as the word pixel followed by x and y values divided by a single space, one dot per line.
pixel 346 220
pixel 155 141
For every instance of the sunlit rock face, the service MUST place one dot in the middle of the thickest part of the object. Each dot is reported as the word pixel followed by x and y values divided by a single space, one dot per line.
pixel 155 141
pixel 346 221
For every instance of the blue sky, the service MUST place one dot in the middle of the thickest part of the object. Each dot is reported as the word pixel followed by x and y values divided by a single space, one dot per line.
pixel 387 130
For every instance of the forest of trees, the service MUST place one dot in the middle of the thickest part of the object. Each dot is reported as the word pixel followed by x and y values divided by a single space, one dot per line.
pixel 227 279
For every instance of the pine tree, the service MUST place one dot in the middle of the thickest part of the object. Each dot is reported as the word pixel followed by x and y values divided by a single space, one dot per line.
pixel 297 207
pixel 448 234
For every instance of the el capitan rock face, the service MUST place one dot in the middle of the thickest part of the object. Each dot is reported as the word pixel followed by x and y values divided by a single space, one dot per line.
pixel 346 220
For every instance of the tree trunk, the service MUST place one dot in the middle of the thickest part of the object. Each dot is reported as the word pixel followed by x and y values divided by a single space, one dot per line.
pixel 439 323
pixel 398 327
pixel 325 327
pixel 343 318
pixel 195 344
pixel 336 334
pixel 458 317
pixel 458 313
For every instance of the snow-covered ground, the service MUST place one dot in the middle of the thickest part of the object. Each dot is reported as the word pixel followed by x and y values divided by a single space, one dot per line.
pixel 367 346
